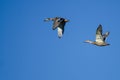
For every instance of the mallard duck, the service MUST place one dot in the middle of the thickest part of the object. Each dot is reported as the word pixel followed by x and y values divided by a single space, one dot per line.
pixel 58 23
pixel 100 38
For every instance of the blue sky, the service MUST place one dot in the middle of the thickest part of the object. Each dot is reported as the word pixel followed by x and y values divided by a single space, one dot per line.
pixel 31 50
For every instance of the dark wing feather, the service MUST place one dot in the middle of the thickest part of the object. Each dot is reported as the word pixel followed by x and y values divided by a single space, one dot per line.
pixel 105 35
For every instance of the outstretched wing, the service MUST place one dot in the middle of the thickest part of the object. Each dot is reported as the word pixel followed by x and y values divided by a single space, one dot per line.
pixel 99 37
pixel 105 35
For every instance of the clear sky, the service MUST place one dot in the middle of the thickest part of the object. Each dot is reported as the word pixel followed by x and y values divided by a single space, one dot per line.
pixel 31 50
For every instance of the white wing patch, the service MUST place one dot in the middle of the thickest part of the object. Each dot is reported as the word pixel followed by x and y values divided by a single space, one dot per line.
pixel 59 32
pixel 99 38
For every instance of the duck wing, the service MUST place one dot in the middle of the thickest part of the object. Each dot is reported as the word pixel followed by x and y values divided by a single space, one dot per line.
pixel 99 37
pixel 105 35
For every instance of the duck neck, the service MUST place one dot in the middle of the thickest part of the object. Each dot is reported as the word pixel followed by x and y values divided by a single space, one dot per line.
pixel 91 42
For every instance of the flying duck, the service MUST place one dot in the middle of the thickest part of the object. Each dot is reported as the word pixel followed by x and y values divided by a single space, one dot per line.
pixel 58 23
pixel 100 38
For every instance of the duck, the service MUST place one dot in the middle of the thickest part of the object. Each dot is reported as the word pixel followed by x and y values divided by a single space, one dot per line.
pixel 100 38
pixel 59 24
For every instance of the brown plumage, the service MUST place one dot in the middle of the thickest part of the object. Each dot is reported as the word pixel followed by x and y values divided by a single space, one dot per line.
pixel 58 23
pixel 100 38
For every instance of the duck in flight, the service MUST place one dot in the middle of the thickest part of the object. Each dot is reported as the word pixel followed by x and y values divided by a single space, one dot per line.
pixel 100 38
pixel 58 23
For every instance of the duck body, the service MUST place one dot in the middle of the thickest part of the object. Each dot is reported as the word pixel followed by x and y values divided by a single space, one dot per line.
pixel 100 38
pixel 58 23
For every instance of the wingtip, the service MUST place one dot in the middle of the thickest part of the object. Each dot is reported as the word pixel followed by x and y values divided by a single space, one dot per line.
pixel 108 32
pixel 100 25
